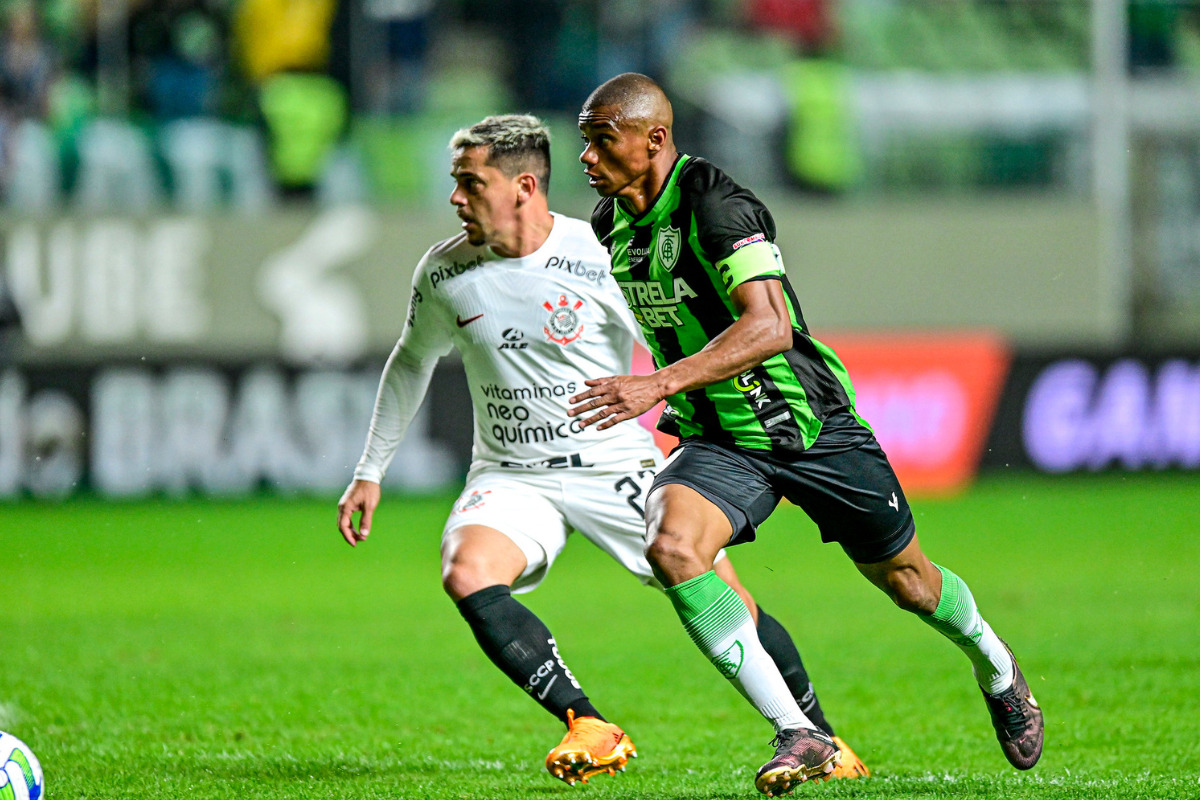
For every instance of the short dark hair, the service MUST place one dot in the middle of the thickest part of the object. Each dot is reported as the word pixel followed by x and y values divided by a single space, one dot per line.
pixel 516 143
pixel 635 94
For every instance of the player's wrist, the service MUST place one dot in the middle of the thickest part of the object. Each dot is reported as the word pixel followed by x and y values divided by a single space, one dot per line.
pixel 667 383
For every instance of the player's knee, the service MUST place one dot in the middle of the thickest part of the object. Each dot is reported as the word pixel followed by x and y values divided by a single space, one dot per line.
pixel 674 555
pixel 465 576
pixel 911 592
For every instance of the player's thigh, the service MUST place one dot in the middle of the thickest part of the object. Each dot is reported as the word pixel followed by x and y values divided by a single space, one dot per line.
pixel 855 499
pixel 521 508
pixel 722 490
pixel 475 557
pixel 608 509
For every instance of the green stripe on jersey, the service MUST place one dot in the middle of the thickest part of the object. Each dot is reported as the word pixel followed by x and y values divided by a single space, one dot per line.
pixel 678 291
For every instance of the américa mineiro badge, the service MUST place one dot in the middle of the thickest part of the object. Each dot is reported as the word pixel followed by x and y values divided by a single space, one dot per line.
pixel 564 325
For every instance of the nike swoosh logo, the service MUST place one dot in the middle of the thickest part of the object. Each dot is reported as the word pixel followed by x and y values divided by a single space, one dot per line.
pixel 546 691
pixel 462 323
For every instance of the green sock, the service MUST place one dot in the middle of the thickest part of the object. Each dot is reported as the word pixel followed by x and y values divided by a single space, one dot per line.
pixel 717 620
pixel 957 618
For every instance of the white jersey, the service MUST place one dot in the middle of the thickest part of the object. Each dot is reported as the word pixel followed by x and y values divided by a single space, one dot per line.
pixel 530 331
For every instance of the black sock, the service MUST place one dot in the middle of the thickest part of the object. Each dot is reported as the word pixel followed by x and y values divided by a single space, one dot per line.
pixel 520 644
pixel 779 646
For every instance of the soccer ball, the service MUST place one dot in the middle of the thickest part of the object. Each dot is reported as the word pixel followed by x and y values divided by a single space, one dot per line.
pixel 20 772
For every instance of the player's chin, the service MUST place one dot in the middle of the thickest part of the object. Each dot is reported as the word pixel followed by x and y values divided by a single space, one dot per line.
pixel 602 186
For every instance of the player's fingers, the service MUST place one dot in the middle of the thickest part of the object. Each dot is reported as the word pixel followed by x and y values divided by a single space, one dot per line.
pixel 614 419
pixel 592 420
pixel 364 523
pixel 346 524
pixel 596 401
pixel 579 398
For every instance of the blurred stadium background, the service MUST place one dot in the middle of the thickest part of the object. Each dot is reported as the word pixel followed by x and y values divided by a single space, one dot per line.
pixel 211 210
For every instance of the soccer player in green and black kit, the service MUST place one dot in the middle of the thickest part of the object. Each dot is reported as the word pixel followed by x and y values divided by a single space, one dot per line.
pixel 765 411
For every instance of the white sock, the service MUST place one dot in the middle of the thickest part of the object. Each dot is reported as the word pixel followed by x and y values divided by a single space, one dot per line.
pixel 957 618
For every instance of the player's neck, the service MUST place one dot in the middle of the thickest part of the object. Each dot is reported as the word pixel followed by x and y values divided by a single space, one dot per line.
pixel 642 193
pixel 529 234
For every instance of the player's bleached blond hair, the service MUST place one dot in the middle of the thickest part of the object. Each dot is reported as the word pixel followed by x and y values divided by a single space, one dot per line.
pixel 516 143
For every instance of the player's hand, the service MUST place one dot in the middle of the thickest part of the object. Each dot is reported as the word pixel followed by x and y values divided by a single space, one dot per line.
pixel 359 496
pixel 616 399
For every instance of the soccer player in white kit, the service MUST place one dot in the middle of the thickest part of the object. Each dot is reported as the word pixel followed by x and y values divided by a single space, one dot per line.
pixel 526 297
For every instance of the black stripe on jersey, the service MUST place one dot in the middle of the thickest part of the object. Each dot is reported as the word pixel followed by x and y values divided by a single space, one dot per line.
pixel 714 316
pixel 825 392
pixel 603 222
pixel 639 269
pixel 775 414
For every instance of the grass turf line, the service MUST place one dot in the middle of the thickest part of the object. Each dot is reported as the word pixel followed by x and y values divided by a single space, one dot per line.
pixel 205 649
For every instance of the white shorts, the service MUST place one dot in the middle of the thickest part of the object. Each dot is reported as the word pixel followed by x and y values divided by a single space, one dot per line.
pixel 539 510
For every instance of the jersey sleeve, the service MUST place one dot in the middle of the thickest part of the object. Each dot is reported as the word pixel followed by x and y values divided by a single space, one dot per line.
pixel 735 230
pixel 426 333
pixel 405 378
pixel 752 262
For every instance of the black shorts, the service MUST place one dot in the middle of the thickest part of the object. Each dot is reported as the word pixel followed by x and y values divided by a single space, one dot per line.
pixel 851 492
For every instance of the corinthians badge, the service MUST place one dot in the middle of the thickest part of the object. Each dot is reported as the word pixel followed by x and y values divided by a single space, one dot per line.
pixel 564 325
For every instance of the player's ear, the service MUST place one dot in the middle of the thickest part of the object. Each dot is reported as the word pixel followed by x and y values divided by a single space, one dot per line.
pixel 656 138
pixel 527 186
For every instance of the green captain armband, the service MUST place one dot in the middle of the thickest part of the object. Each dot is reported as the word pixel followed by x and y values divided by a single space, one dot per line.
pixel 751 261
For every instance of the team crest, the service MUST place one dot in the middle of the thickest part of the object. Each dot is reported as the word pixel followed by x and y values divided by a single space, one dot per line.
pixel 474 500
pixel 729 663
pixel 564 325
pixel 668 247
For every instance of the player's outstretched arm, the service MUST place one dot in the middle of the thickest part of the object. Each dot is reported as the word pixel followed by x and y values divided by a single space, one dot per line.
pixel 360 496
pixel 763 329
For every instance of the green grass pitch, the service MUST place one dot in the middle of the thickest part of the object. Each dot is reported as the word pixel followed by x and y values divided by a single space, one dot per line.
pixel 240 649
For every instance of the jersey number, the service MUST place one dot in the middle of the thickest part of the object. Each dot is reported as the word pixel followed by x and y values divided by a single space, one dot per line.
pixel 629 489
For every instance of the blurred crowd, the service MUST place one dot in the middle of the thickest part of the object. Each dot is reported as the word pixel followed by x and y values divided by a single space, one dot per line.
pixel 120 102
pixel 125 103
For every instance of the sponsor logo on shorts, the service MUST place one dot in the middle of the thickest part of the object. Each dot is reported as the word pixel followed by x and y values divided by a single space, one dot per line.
pixel 476 499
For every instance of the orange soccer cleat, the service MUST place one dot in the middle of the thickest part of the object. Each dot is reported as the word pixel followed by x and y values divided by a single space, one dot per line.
pixel 851 765
pixel 591 746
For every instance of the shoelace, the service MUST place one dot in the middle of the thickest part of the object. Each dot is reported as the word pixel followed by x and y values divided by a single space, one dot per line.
pixel 785 739
pixel 1013 717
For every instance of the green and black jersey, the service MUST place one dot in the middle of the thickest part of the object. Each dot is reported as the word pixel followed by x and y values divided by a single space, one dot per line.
pixel 676 264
